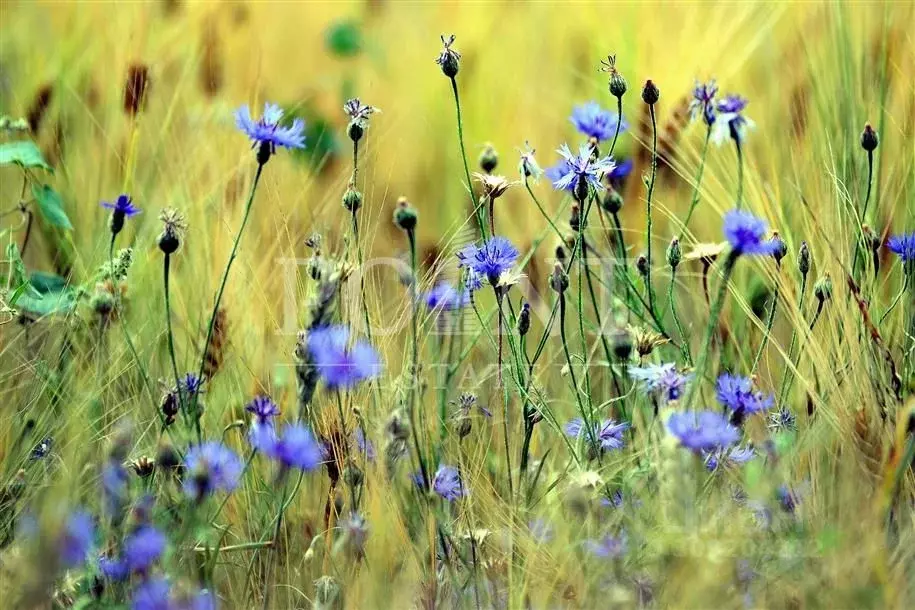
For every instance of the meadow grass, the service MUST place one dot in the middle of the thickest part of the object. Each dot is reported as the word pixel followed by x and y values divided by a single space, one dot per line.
pixel 451 471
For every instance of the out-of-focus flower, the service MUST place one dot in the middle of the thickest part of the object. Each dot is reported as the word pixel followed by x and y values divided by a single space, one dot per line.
pixel 445 297
pixel 340 364
pixel 594 122
pixel 210 467
pixel 703 102
pixel 734 455
pixel 76 539
pixel 608 547
pixel 296 447
pixel 143 548
pixel 702 431
pixel 663 379
pixel 731 121
pixel 737 394
pixel 609 434
pixel 746 233
pixel 447 483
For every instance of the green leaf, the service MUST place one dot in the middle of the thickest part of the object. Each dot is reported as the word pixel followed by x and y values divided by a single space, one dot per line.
pixel 47 303
pixel 19 275
pixel 344 39
pixel 43 281
pixel 51 206
pixel 24 154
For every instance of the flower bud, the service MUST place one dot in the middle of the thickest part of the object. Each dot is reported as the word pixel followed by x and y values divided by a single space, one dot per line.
pixel 352 199
pixel 559 279
pixel 355 130
pixel 449 59
pixel 489 158
pixel 405 215
pixel 641 264
pixel 621 341
pixel 869 139
pixel 803 259
pixel 612 201
pixel 650 93
pixel 823 288
pixel 575 217
pixel 674 253
pixel 780 248
pixel 524 319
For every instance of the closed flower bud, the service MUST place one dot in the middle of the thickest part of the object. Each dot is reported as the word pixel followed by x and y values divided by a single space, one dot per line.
pixel 405 215
pixel 352 199
pixel 560 252
pixel 780 249
pixel 449 59
pixel 559 279
pixel 143 467
pixel 674 253
pixel 575 217
pixel 489 159
pixel 174 226
pixel 616 84
pixel 823 288
pixel 650 93
pixel 524 319
pixel 803 259
pixel 641 265
pixel 869 139
pixel 870 238
pixel 612 201
pixel 355 130
pixel 621 340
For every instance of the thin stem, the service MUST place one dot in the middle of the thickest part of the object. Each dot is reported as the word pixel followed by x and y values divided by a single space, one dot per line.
pixel 219 293
pixel 739 173
pixel 863 217
pixel 770 320
pixel 710 330
pixel 673 310
pixel 786 381
pixel 460 127
pixel 414 360
pixel 542 211
pixel 654 171
pixel 619 120
pixel 565 349
pixel 276 537
pixel 166 265
pixel 695 200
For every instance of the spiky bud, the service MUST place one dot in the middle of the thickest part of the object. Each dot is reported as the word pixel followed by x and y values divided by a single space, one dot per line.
pixel 869 139
pixel 352 199
pixel 616 84
pixel 524 319
pixel 449 59
pixel 823 288
pixel 803 258
pixel 559 279
pixel 674 253
pixel 489 158
pixel 641 265
pixel 780 249
pixel 650 93
pixel 173 229
pixel 612 201
pixel 143 467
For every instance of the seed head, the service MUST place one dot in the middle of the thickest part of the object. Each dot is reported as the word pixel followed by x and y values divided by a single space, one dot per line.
pixel 674 253
pixel 173 227
pixel 803 258
pixel 869 139
pixel 493 186
pixel 352 199
pixel 650 93
pixel 779 247
pixel 616 84
pixel 449 59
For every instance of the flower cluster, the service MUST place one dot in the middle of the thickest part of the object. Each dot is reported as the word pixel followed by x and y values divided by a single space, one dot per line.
pixel 702 431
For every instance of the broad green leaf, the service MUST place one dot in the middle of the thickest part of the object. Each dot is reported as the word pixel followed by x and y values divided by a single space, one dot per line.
pixel 47 303
pixel 24 154
pixel 43 281
pixel 344 39
pixel 51 206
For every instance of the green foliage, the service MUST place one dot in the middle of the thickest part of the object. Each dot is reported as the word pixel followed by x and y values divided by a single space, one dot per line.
pixel 24 154
pixel 51 206
pixel 344 39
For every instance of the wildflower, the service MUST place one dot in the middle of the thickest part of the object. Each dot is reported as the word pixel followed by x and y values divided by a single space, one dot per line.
pixel 674 253
pixel 363 444
pixel 650 93
pixel 614 501
pixel 736 393
pixel 616 83
pixel 783 419
pixel 113 569
pixel 903 246
pixel 580 173
pixel 869 139
pixel 114 486
pixel 779 248
pixel 524 319
pixel 489 158
pixel 143 548
pixel 745 233
pixel 609 434
pixel 594 122
pixel 662 379
pixel 121 209
pixel 359 115
pixel 449 59
pixel 342 365
pixel 447 483
pixel 788 498
pixel 527 165
pixel 446 297
pixel 730 121
pixel 296 447
pixel 266 134
pixel 496 256
pixel 405 215
pixel 620 171
pixel 210 467
pixel 76 539
pixel 608 547
pixel 493 186
pixel 355 533
pixel 190 384
pixel 174 226
pixel 702 431
pixel 152 594
pixel 42 449
pixel 703 102
pixel 734 455
pixel 263 408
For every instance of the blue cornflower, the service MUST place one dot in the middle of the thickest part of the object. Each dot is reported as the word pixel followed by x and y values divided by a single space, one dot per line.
pixel 903 246
pixel 734 455
pixel 263 408
pixel 788 498
pixel 210 467
pixel 746 234
pixel 608 547
pixel 703 102
pixel 123 205
pixel 42 449
pixel 153 594
pixel 76 539
pixel 580 173
pixel 783 419
pixel 496 256
pixel 267 132
pixel 620 171
pixel 114 486
pixel 730 121
pixel 609 434
pixel 662 379
pixel 702 431
pixel 143 548
pixel 113 569
pixel 447 483
pixel 595 122
pixel 190 384
pixel 296 447
pixel 446 297
pixel 342 365
pixel 736 393
pixel 364 444
pixel 261 433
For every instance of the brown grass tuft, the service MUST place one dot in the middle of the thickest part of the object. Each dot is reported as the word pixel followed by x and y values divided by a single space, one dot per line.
pixel 216 351
pixel 136 87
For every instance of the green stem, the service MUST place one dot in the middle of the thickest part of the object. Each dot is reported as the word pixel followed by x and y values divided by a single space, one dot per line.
pixel 219 293
pixel 171 337
pixel 654 172
pixel 673 309
pixel 619 120
pixel 739 173
pixel 711 329
pixel 786 380
pixel 863 218
pixel 542 211
pixel 695 200
pixel 481 222
pixel 770 320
